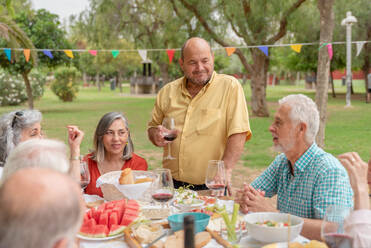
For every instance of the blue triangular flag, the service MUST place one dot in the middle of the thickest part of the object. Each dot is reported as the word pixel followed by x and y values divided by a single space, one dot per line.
pixel 264 49
pixel 8 53
pixel 48 53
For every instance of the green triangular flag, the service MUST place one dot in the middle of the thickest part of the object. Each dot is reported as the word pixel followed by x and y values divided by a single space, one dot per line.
pixel 115 53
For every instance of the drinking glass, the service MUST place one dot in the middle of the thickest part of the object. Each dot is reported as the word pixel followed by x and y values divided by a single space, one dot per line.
pixel 84 174
pixel 332 230
pixel 215 175
pixel 170 134
pixel 162 188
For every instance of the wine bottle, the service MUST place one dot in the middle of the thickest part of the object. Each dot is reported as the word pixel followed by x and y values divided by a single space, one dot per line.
pixel 189 231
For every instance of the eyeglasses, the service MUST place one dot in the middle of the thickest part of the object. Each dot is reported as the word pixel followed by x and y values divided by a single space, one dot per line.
pixel 16 115
pixel 120 133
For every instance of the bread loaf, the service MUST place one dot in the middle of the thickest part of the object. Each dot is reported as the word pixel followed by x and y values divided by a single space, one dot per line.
pixel 202 239
pixel 126 177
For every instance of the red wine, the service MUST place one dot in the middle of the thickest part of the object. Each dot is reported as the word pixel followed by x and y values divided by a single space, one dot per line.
pixel 337 240
pixel 170 137
pixel 216 186
pixel 162 197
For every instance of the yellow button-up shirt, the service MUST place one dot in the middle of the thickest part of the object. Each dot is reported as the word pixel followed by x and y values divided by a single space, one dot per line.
pixel 205 122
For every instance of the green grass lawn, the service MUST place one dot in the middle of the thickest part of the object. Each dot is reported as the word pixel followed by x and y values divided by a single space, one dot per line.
pixel 348 129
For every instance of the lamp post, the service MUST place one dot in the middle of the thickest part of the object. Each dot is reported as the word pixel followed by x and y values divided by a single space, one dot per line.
pixel 348 22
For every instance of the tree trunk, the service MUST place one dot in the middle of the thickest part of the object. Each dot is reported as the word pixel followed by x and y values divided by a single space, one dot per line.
pixel 84 78
pixel 164 71
pixel 120 80
pixel 259 83
pixel 323 66
pixel 332 85
pixel 297 78
pixel 366 59
pixel 28 89
pixel 97 81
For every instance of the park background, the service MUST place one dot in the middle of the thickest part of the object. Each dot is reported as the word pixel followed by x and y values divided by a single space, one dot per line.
pixel 92 59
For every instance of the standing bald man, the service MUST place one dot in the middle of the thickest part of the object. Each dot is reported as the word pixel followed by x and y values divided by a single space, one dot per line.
pixel 39 208
pixel 210 114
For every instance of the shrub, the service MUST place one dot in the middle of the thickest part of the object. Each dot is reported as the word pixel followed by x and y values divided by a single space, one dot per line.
pixel 65 85
pixel 13 88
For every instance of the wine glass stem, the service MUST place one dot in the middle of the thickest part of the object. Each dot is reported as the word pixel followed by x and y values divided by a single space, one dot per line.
pixel 169 151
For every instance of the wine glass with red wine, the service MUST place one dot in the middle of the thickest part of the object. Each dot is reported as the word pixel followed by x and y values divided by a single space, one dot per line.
pixel 215 175
pixel 162 188
pixel 332 231
pixel 170 134
pixel 84 174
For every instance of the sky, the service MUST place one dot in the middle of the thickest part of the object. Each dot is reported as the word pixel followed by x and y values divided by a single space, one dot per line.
pixel 63 8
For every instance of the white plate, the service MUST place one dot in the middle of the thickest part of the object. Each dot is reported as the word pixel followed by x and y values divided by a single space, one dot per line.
pixel 199 203
pixel 100 239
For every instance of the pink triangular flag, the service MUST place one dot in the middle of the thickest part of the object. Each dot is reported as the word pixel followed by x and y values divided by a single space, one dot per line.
pixel 170 54
pixel 93 52
pixel 329 50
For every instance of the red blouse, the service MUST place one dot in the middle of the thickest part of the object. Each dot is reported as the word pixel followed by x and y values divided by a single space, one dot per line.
pixel 135 163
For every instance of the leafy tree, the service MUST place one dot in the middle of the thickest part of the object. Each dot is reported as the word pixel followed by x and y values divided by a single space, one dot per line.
pixel 44 31
pixel 254 22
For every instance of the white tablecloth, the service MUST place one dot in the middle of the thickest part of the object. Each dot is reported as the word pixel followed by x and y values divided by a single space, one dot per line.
pixel 120 243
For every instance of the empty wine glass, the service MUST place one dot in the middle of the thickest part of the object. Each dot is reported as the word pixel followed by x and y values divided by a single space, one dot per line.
pixel 332 230
pixel 215 175
pixel 162 188
pixel 170 134
pixel 84 173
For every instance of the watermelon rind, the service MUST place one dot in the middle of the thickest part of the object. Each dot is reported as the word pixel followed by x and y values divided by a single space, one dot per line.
pixel 116 229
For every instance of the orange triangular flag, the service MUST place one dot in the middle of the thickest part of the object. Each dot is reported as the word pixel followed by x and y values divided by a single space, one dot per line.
pixel 69 53
pixel 26 53
pixel 296 48
pixel 230 50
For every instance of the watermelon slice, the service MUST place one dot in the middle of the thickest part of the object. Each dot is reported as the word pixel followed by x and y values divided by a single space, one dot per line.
pixel 113 220
pixel 116 229
pixel 103 219
pixel 132 204
pixel 127 219
pixel 119 211
pixel 87 228
pixel 96 214
pixel 100 231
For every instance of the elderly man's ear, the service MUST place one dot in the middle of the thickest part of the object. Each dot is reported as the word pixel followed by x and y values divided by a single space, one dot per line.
pixel 302 128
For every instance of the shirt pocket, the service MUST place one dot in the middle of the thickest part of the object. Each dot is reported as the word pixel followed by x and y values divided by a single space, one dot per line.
pixel 209 121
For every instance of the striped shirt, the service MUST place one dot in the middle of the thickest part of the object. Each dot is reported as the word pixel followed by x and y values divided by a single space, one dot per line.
pixel 319 180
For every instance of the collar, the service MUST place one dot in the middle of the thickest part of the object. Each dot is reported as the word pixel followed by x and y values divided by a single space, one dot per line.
pixel 305 159
pixel 184 84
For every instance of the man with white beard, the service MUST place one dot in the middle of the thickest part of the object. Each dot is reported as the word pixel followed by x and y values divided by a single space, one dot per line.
pixel 305 178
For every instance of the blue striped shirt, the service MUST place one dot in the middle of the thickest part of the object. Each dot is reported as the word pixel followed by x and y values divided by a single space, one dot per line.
pixel 319 180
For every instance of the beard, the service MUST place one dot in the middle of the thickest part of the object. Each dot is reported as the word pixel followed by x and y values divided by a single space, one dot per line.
pixel 288 144
pixel 199 81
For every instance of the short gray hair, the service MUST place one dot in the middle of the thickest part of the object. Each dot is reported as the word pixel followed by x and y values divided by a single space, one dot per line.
pixel 23 221
pixel 45 153
pixel 303 109
pixel 102 127
pixel 11 126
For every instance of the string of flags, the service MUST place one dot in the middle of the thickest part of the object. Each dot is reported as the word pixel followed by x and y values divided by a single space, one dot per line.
pixel 170 52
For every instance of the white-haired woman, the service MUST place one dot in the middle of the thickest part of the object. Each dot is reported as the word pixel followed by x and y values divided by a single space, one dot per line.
pixel 16 127
pixel 113 150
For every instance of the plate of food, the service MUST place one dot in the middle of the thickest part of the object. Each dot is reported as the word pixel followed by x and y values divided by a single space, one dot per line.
pixel 186 199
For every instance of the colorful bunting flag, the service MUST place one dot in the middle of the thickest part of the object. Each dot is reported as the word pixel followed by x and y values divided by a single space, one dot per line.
pixel 170 54
pixel 143 54
pixel 324 44
pixel 296 48
pixel 48 53
pixel 359 47
pixel 329 50
pixel 230 50
pixel 264 49
pixel 115 53
pixel 93 52
pixel 69 53
pixel 8 53
pixel 26 53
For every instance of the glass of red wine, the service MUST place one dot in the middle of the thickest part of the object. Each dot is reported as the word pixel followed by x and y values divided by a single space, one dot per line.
pixel 162 188
pixel 332 231
pixel 170 134
pixel 84 174
pixel 215 176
